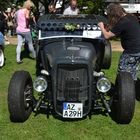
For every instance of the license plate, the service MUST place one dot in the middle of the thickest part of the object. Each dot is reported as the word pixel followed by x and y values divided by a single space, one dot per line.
pixel 72 110
pixel 92 34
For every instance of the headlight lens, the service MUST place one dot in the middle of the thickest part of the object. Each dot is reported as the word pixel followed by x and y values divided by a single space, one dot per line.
pixel 103 85
pixel 40 84
pixel 94 27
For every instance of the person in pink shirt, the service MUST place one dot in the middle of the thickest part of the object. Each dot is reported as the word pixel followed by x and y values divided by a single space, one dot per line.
pixel 23 30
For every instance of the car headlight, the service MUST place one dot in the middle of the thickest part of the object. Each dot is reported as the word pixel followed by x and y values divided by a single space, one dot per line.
pixel 40 84
pixel 103 84
pixel 94 27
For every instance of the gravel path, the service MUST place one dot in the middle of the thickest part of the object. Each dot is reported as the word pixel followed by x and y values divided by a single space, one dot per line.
pixel 12 40
pixel 116 46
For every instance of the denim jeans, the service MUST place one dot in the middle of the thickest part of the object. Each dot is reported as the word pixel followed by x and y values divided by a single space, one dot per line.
pixel 1 39
pixel 27 37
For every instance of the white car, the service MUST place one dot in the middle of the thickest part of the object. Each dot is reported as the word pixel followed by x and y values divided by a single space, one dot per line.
pixel 1 50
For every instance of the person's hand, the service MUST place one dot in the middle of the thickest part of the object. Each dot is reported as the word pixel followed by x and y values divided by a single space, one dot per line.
pixel 107 34
pixel 101 25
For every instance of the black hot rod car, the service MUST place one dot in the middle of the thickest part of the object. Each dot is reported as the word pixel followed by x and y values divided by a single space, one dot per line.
pixel 71 52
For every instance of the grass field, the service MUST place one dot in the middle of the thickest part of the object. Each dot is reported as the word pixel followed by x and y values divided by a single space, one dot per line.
pixel 99 127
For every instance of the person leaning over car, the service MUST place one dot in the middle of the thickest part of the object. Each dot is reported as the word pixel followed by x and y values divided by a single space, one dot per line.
pixel 125 26
pixel 72 9
pixel 23 30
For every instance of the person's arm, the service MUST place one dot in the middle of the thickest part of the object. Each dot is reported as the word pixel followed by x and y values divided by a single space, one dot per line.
pixel 33 17
pixel 27 16
pixel 5 15
pixel 34 20
pixel 107 34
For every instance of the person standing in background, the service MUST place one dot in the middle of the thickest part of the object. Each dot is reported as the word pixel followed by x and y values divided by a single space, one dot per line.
pixel 23 30
pixel 52 9
pixel 15 18
pixel 3 18
pixel 2 28
pixel 10 23
pixel 72 9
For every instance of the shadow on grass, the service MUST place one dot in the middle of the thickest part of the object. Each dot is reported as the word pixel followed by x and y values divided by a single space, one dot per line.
pixel 26 53
pixel 56 116
pixel 100 111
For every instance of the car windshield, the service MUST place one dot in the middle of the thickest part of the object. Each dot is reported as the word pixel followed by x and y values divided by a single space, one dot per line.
pixel 55 26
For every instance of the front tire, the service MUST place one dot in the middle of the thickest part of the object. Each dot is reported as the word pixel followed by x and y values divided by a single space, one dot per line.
pixel 20 95
pixel 123 106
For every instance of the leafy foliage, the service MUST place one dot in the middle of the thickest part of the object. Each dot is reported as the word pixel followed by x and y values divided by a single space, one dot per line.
pixel 70 27
pixel 91 6
pixel 5 4
pixel 86 7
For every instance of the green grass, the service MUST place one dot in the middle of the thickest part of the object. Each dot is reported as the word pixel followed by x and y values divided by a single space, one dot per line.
pixel 38 127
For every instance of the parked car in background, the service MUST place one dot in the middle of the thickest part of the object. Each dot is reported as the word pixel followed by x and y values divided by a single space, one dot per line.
pixel 130 6
pixel 2 59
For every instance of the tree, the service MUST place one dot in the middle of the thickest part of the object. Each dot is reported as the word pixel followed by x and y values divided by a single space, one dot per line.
pixel 4 4
pixel 92 6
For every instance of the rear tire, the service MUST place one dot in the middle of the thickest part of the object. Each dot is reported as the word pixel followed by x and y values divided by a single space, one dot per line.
pixel 20 96
pixel 2 59
pixel 123 105
pixel 107 56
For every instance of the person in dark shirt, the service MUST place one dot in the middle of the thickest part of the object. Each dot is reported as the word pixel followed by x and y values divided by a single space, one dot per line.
pixel 3 18
pixel 53 10
pixel 125 26
pixel 2 22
